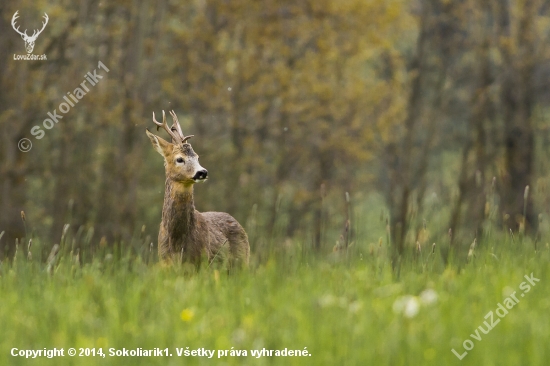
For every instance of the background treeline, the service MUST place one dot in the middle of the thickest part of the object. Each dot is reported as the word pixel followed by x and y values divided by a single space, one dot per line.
pixel 431 114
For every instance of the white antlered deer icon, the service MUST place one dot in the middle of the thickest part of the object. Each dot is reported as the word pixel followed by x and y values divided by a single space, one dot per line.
pixel 29 40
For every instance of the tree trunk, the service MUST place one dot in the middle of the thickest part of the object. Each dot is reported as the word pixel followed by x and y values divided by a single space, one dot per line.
pixel 517 99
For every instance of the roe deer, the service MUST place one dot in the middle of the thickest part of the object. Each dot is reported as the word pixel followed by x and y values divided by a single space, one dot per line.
pixel 185 233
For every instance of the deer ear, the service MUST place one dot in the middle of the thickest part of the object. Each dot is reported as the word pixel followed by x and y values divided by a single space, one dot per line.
pixel 160 145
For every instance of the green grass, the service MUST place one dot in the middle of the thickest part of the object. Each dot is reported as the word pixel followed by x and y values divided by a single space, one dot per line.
pixel 343 312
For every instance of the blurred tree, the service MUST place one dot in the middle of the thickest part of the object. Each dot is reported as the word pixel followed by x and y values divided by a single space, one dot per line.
pixel 407 152
pixel 292 104
pixel 289 83
pixel 517 45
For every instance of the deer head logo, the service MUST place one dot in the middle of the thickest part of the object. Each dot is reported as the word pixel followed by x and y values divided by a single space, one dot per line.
pixel 29 40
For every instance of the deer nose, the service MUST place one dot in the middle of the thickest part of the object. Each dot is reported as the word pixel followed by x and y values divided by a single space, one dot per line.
pixel 201 174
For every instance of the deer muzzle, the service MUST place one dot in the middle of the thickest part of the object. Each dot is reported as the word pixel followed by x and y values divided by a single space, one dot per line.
pixel 201 175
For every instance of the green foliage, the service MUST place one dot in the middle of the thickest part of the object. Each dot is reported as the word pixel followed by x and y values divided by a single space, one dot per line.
pixel 344 312
pixel 292 104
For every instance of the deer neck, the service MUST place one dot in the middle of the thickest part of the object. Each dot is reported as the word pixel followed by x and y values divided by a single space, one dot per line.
pixel 178 213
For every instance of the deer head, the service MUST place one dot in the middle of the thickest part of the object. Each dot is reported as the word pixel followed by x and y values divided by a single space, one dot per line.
pixel 29 40
pixel 180 161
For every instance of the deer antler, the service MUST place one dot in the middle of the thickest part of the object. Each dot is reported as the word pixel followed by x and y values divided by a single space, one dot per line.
pixel 177 128
pixel 13 19
pixel 174 136
pixel 174 131
pixel 35 34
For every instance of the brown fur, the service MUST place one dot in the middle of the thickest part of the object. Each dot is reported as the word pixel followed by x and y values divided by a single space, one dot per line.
pixel 187 235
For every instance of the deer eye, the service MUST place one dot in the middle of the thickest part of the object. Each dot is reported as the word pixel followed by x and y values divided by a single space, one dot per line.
pixel 180 160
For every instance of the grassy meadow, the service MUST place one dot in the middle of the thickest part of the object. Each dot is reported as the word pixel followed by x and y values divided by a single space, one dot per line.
pixel 345 309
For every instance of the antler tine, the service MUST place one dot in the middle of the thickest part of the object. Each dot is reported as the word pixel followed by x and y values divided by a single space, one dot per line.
pixel 157 122
pixel 44 23
pixel 165 126
pixel 177 126
pixel 37 32
pixel 13 21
